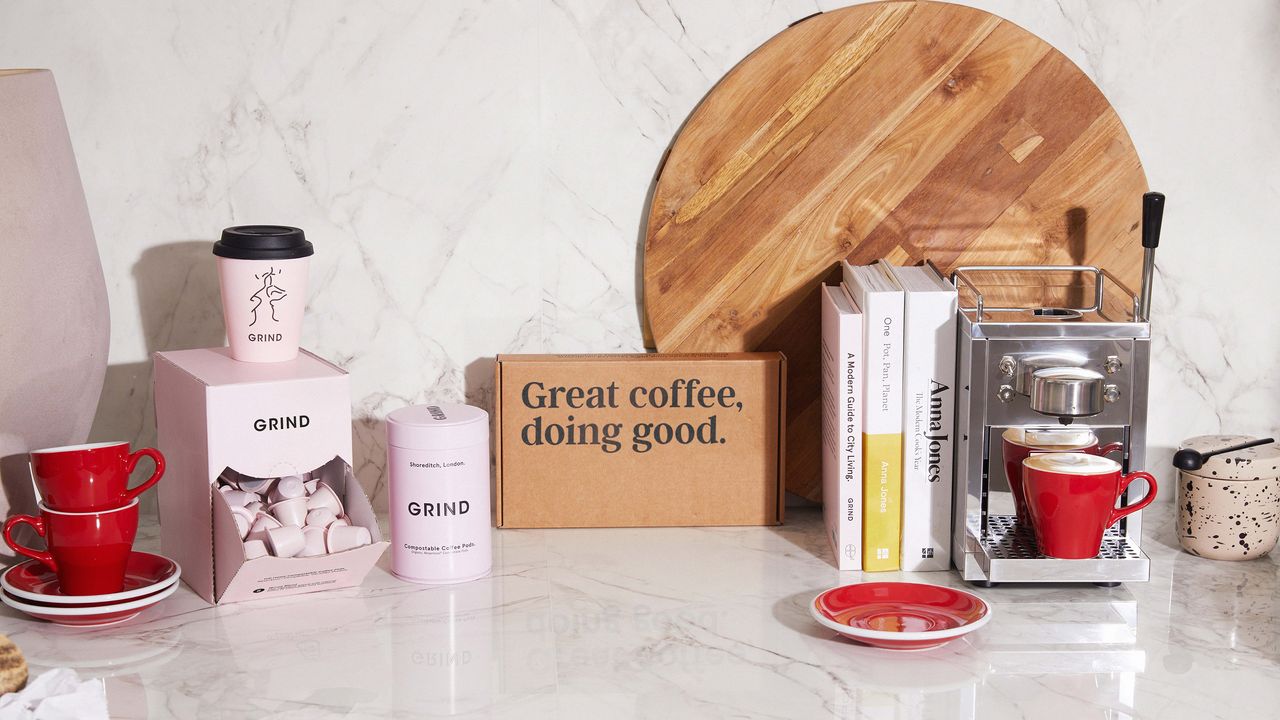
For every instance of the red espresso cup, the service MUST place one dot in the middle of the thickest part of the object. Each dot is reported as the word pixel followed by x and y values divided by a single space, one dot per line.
pixel 88 478
pixel 1018 444
pixel 1072 500
pixel 89 551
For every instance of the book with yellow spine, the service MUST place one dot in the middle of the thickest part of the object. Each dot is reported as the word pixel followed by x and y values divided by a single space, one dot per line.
pixel 878 294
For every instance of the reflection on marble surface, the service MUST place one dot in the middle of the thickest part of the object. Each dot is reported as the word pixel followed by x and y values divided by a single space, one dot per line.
pixel 672 623
pixel 474 175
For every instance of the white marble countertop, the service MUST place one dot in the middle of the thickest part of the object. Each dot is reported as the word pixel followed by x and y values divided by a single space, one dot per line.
pixel 675 623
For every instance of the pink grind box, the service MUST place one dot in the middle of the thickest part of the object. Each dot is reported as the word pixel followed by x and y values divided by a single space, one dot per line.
pixel 217 416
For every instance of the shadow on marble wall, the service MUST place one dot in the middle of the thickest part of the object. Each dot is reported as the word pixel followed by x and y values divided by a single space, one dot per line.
pixel 478 382
pixel 641 316
pixel 368 451
pixel 1159 462
pixel 180 308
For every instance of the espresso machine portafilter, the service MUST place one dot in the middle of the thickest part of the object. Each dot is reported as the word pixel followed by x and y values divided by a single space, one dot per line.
pixel 1048 348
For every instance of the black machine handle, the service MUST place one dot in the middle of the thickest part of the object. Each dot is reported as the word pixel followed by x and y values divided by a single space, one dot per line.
pixel 1152 214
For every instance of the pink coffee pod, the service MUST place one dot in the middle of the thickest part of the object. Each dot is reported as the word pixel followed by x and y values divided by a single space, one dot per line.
pixel 238 498
pixel 292 511
pixel 243 520
pixel 285 541
pixel 325 497
pixel 261 524
pixel 286 488
pixel 320 517
pixel 342 520
pixel 242 525
pixel 345 537
pixel 310 486
pixel 265 521
pixel 254 549
pixel 255 485
pixel 315 544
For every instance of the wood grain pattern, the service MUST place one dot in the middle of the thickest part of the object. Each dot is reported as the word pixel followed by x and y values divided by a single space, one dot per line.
pixel 905 130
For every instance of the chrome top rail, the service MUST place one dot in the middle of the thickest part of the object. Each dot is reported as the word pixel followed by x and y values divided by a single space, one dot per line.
pixel 1100 276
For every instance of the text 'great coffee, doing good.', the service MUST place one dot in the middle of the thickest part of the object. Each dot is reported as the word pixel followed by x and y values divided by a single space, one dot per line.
pixel 680 394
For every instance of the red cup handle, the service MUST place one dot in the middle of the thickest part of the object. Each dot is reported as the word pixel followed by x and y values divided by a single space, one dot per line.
pixel 43 556
pixel 1117 513
pixel 1110 448
pixel 157 458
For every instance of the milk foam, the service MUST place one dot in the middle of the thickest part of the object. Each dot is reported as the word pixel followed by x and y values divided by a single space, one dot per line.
pixel 1072 463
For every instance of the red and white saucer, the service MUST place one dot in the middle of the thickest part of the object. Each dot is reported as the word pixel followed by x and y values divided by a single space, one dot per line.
pixel 900 616
pixel 33 588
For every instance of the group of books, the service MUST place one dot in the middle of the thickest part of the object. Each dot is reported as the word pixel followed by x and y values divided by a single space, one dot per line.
pixel 888 404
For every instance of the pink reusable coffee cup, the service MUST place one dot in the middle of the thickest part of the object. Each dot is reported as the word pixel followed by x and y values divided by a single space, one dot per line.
pixel 263 273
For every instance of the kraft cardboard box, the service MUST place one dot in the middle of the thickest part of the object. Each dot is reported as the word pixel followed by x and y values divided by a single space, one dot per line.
pixel 639 440
pixel 216 417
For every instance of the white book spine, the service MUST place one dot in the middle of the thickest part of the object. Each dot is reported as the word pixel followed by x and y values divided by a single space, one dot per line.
pixel 842 426
pixel 928 432
pixel 882 312
pixel 887 338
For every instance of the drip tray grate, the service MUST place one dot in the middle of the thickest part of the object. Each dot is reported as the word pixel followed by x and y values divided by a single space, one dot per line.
pixel 1008 552
pixel 1006 539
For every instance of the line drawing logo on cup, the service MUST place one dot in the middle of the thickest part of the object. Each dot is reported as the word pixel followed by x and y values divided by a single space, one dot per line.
pixel 269 293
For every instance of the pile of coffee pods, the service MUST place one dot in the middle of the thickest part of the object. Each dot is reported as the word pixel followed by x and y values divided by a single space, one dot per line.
pixel 291 516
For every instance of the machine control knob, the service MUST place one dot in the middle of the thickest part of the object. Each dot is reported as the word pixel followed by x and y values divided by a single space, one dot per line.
pixel 1110 393
pixel 1008 366
pixel 1006 393
pixel 1112 365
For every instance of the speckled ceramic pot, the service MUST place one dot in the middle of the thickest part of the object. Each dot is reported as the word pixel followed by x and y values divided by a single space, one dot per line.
pixel 1230 508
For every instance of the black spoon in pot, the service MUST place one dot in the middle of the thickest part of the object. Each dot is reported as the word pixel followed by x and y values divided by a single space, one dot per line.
pixel 1194 459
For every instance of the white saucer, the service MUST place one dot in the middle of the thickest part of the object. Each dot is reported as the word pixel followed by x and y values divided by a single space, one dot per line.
pixel 88 616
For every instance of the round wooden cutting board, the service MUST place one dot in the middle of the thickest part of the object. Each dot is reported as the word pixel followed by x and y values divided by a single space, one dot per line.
pixel 902 130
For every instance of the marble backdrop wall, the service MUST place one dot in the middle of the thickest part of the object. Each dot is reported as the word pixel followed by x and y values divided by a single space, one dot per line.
pixel 475 174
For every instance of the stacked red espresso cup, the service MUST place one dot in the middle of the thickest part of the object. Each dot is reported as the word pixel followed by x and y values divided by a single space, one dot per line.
pixel 88 573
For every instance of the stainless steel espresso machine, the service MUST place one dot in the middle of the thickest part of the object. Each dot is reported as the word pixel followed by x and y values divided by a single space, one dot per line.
pixel 1048 348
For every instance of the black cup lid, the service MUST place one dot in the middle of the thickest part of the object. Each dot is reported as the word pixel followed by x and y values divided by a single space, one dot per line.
pixel 263 242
